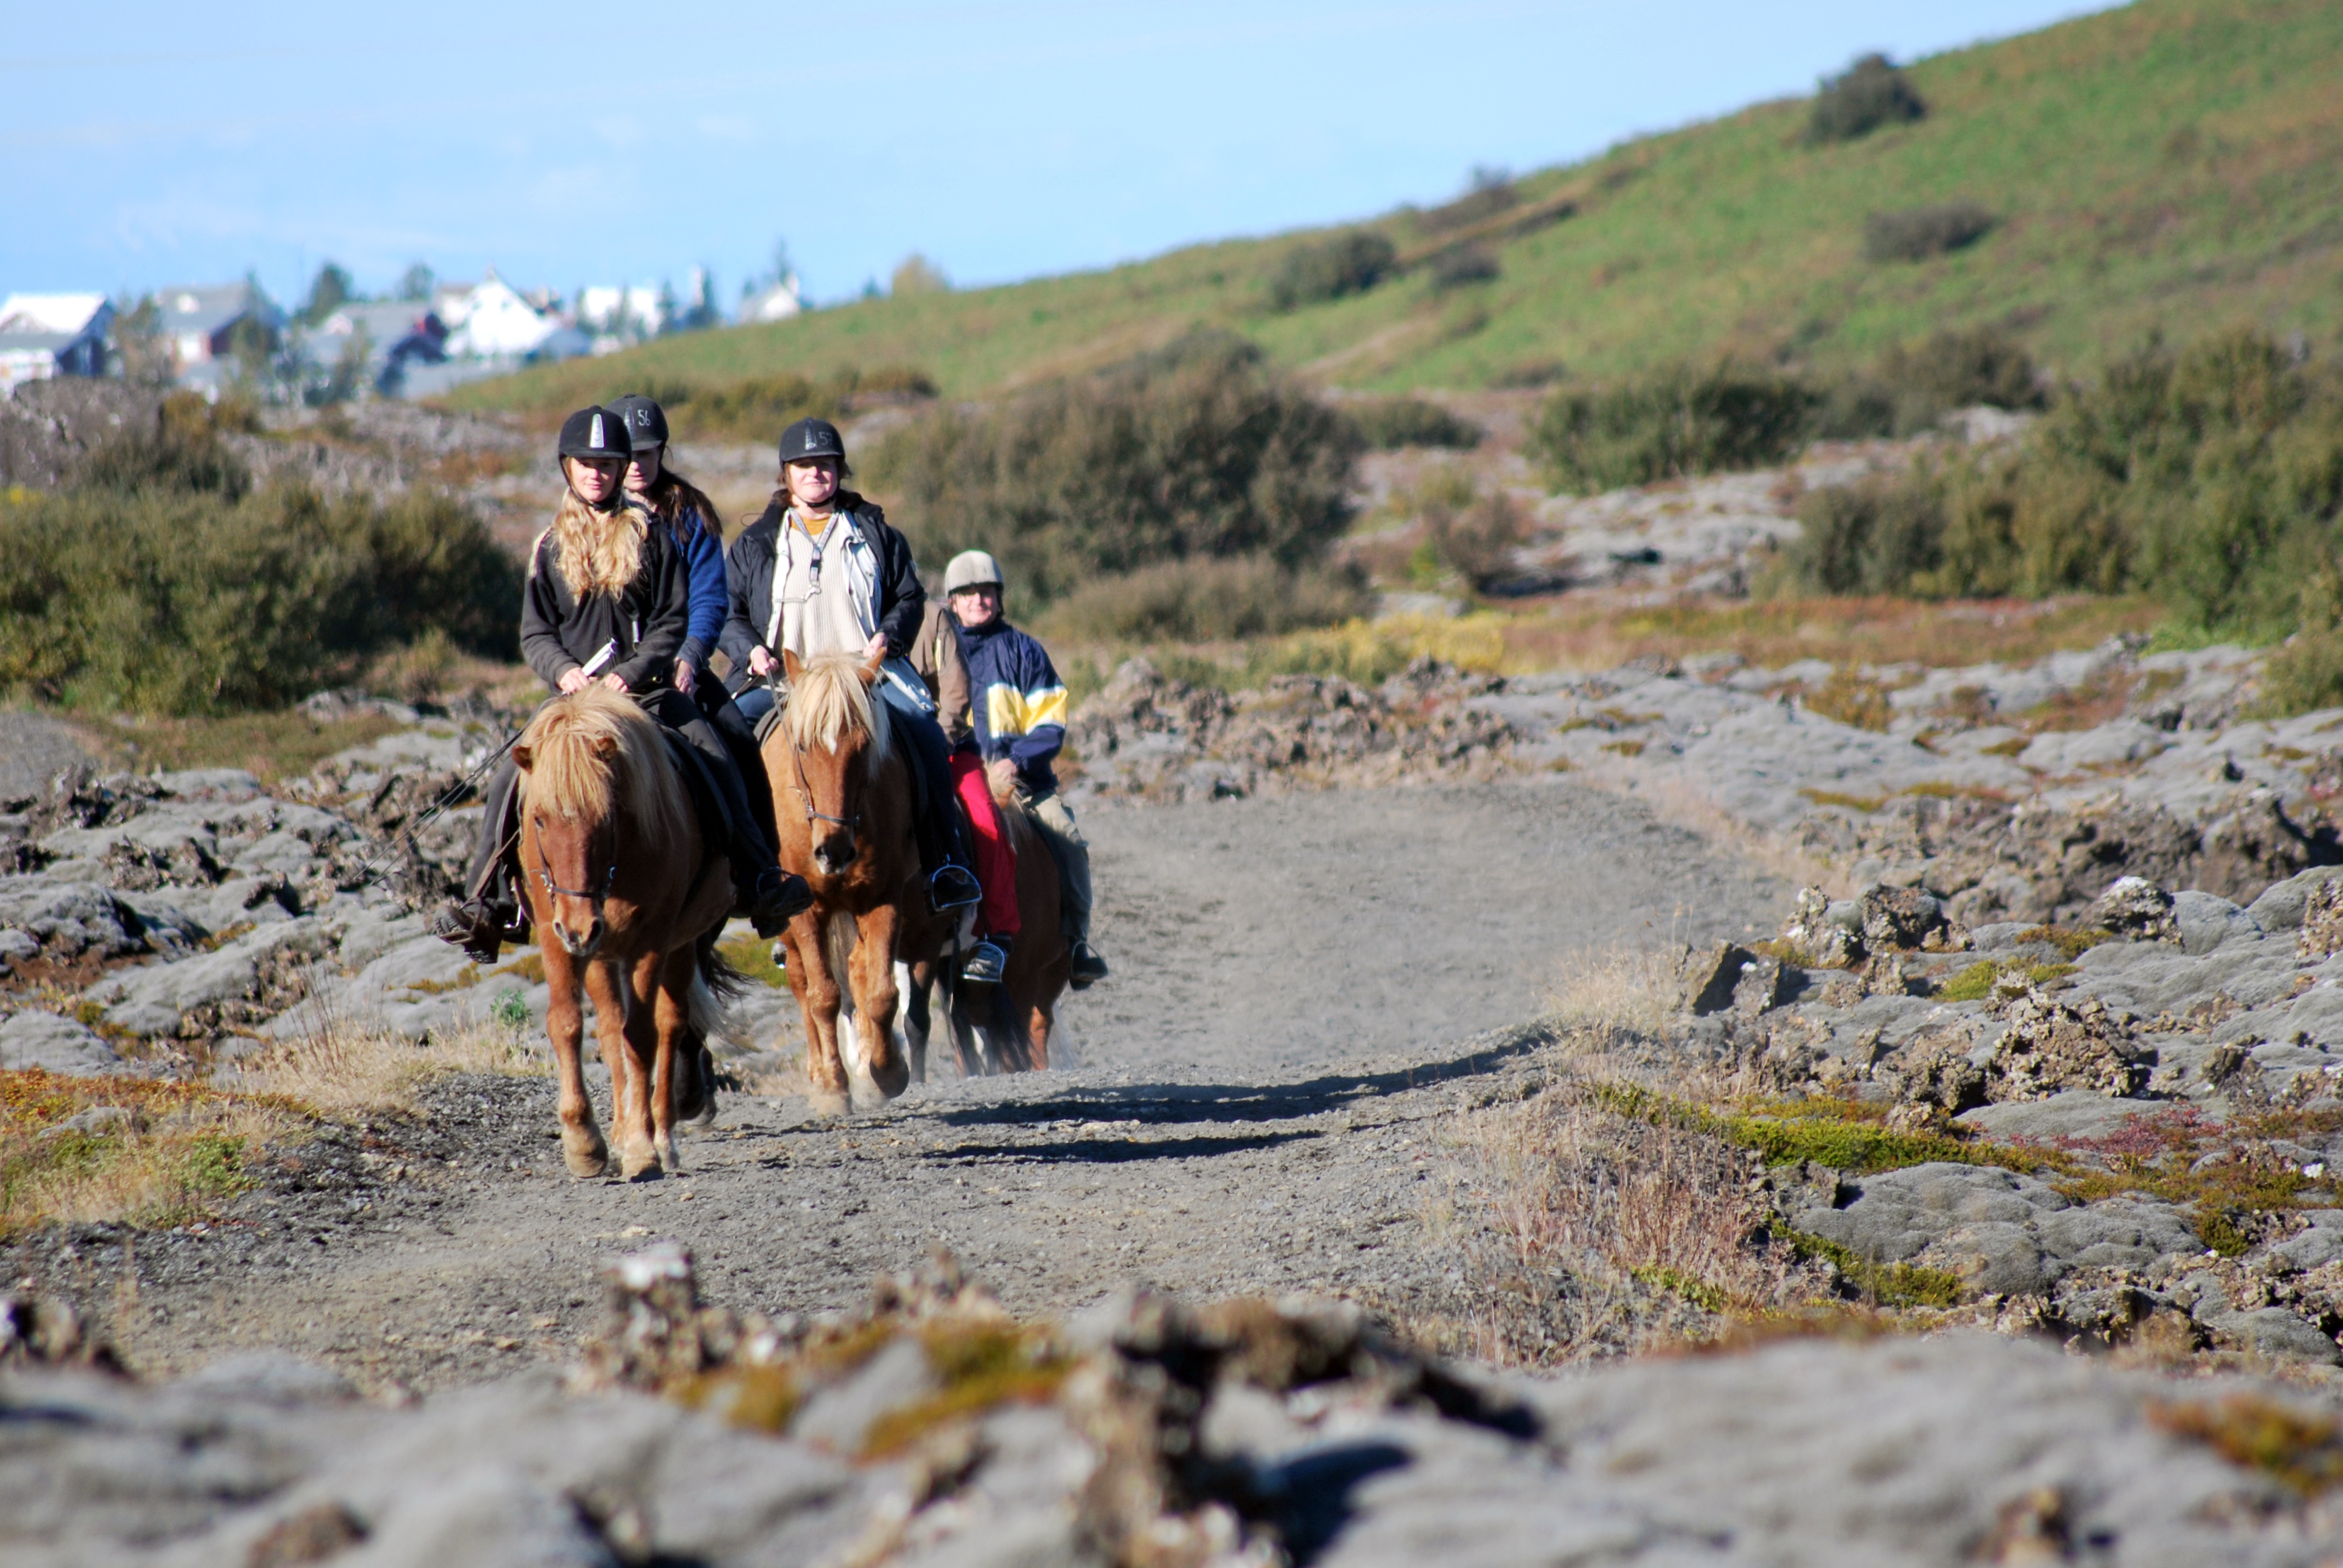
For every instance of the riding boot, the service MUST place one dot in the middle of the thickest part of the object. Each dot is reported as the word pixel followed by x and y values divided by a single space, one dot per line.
pixel 935 818
pixel 740 738
pixel 987 961
pixel 489 914
pixel 761 890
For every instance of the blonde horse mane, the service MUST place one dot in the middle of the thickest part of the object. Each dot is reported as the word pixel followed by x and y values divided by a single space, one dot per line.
pixel 829 701
pixel 594 746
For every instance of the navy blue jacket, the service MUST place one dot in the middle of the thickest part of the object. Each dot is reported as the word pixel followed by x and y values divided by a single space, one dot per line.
pixel 1016 699
pixel 703 563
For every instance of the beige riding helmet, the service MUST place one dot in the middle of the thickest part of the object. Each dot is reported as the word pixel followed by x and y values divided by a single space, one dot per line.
pixel 971 568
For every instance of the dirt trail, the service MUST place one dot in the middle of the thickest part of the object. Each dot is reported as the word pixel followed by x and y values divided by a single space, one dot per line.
pixel 1253 1105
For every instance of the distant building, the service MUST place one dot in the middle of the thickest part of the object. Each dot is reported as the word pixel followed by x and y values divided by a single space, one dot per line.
pixel 623 313
pixel 199 322
pixel 46 335
pixel 491 320
pixel 777 303
pixel 399 335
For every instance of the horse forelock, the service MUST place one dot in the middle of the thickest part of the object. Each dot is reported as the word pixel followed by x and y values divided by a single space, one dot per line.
pixel 570 776
pixel 828 702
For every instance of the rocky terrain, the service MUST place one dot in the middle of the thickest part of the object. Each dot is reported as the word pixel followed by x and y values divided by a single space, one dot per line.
pixel 928 1427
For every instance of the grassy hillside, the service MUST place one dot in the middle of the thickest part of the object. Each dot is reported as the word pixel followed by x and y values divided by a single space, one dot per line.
pixel 2172 165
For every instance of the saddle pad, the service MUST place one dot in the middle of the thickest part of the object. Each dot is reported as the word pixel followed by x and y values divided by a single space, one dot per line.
pixel 715 821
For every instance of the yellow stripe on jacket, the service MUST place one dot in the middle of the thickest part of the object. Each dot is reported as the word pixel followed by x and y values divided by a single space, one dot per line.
pixel 1009 712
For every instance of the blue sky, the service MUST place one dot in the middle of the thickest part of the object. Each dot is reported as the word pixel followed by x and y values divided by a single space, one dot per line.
pixel 596 141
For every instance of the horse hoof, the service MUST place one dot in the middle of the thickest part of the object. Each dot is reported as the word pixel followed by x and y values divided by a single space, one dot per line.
pixel 640 1165
pixel 828 1103
pixel 891 1084
pixel 586 1159
pixel 669 1161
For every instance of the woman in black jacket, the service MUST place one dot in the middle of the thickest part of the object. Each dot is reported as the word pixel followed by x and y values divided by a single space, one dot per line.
pixel 822 572
pixel 608 600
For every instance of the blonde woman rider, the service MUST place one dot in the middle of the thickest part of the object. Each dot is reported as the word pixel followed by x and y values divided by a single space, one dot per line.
pixel 607 602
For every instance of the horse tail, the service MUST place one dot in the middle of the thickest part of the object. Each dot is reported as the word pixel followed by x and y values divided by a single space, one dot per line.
pixel 715 985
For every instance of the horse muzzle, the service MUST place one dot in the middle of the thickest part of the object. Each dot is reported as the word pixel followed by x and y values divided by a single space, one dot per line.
pixel 579 943
pixel 834 853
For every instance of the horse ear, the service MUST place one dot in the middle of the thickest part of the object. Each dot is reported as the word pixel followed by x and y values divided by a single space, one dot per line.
pixel 605 747
pixel 792 667
pixel 524 754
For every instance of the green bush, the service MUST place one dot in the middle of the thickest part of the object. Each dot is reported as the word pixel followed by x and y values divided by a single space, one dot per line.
pixel 759 408
pixel 1913 387
pixel 2212 479
pixel 1196 449
pixel 1461 266
pixel 1389 423
pixel 1492 191
pixel 1869 94
pixel 1476 538
pixel 1350 263
pixel 167 589
pixel 1207 600
pixel 1915 233
pixel 1677 422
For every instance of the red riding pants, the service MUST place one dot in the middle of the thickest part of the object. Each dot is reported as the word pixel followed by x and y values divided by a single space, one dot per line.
pixel 996 860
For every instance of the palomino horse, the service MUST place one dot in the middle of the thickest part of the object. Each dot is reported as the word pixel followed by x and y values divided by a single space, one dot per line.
pixel 832 757
pixel 623 886
pixel 1003 1028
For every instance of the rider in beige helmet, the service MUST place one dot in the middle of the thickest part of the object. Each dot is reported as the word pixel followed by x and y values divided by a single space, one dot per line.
pixel 1018 716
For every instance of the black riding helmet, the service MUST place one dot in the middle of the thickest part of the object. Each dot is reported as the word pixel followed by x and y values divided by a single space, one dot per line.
pixel 595 432
pixel 646 420
pixel 811 438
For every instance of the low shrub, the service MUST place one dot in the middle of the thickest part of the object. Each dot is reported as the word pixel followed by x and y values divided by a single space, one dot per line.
pixel 1207 600
pixel 1476 539
pixel 1913 386
pixel 159 585
pixel 1678 422
pixel 1195 449
pixel 1492 191
pixel 1347 263
pixel 1391 423
pixel 1915 233
pixel 759 408
pixel 2210 478
pixel 1461 266
pixel 1867 95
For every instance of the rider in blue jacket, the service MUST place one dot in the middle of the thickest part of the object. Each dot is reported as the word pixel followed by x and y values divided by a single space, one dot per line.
pixel 698 535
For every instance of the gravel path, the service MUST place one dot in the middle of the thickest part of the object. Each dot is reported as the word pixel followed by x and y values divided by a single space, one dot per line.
pixel 1255 1105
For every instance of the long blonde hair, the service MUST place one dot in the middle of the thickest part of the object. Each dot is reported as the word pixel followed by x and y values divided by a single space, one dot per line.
pixel 598 551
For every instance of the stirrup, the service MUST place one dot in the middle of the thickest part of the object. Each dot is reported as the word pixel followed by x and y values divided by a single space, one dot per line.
pixel 470 925
pixel 954 887
pixel 1087 970
pixel 984 965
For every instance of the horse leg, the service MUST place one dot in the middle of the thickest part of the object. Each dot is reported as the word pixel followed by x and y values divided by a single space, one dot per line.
pixel 960 1016
pixel 914 993
pixel 873 968
pixel 630 1110
pixel 1014 1057
pixel 816 989
pixel 675 1054
pixel 582 1149
pixel 1040 1018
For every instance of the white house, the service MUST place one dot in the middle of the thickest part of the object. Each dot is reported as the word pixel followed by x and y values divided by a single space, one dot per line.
pixel 46 335
pixel 778 302
pixel 490 320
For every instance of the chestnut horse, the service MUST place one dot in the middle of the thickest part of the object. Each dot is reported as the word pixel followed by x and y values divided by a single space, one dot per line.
pixel 1003 1028
pixel 627 894
pixel 843 800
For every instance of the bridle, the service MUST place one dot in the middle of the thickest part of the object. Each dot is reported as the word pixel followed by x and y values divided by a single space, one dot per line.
pixel 805 790
pixel 595 896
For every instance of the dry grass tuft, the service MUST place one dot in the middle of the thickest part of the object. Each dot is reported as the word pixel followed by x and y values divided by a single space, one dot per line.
pixel 1616 993
pixel 339 1068
pixel 2303 1451
pixel 1574 1190
pixel 139 1151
